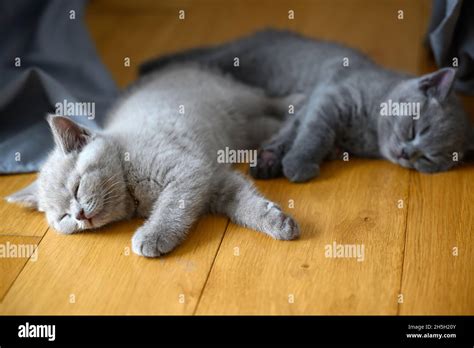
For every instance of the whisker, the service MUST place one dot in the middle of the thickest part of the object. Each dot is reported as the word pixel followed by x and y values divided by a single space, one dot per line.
pixel 109 179
pixel 111 187
pixel 109 199
pixel 115 194
pixel 111 192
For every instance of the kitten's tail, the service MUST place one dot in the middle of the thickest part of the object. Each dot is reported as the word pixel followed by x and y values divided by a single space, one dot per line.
pixel 202 55
pixel 219 56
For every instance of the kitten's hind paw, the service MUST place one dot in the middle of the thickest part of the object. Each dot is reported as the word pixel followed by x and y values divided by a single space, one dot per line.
pixel 268 165
pixel 151 244
pixel 279 225
pixel 297 170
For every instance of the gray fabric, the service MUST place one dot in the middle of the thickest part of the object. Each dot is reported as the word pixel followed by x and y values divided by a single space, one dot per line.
pixel 58 62
pixel 451 34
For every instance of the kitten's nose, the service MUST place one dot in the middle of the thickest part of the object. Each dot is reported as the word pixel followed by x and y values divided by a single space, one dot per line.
pixel 81 215
pixel 404 154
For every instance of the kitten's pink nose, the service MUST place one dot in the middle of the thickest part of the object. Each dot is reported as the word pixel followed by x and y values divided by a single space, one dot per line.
pixel 81 215
pixel 404 155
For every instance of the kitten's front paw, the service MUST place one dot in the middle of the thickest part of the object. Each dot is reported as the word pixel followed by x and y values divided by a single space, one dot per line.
pixel 279 225
pixel 268 165
pixel 297 170
pixel 151 244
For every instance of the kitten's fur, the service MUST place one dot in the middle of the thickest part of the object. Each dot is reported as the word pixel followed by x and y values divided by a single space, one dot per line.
pixel 154 162
pixel 343 105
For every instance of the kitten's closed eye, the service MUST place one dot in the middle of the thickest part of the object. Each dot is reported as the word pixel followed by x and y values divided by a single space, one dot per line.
pixel 76 189
pixel 426 158
pixel 411 132
pixel 62 217
pixel 424 131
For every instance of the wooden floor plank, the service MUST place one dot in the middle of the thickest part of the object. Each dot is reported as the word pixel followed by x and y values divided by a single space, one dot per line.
pixel 441 218
pixel 15 252
pixel 354 203
pixel 16 220
pixel 96 273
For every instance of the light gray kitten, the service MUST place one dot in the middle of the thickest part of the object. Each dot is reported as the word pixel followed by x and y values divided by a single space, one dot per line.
pixel 346 95
pixel 155 162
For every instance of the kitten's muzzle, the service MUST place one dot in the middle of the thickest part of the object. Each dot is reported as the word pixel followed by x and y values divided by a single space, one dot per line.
pixel 81 215
pixel 409 154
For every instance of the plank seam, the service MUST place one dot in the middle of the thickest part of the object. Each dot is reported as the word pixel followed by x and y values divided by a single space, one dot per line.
pixel 405 241
pixel 23 235
pixel 24 264
pixel 210 268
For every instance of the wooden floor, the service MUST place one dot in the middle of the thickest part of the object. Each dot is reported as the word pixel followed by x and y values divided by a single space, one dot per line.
pixel 409 266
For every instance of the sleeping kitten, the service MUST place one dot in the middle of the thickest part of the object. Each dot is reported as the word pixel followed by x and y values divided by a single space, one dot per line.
pixel 353 105
pixel 157 158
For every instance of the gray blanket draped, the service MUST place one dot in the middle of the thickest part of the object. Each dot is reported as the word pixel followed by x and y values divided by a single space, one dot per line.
pixel 451 35
pixel 47 60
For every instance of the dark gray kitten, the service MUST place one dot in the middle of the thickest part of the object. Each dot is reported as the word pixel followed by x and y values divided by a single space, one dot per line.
pixel 353 105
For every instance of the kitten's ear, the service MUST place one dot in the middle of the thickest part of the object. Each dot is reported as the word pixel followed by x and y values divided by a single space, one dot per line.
pixel 68 135
pixel 438 84
pixel 27 197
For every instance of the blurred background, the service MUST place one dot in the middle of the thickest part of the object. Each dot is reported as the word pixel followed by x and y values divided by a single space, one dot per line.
pixel 50 53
